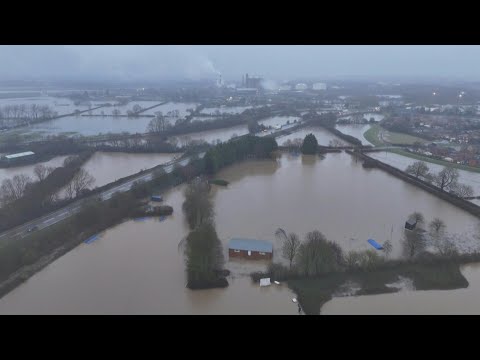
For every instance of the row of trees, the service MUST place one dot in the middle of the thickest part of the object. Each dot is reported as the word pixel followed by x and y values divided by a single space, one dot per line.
pixel 316 255
pixel 24 198
pixel 446 179
pixel 227 153
pixel 204 259
pixel 26 112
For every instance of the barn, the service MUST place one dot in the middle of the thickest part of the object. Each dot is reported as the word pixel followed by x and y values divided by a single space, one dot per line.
pixel 250 249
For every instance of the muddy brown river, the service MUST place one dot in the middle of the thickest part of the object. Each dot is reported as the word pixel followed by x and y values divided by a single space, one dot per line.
pixel 137 268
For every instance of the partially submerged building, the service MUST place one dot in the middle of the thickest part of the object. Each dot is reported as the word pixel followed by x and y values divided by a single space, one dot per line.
pixel 410 224
pixel 18 158
pixel 250 249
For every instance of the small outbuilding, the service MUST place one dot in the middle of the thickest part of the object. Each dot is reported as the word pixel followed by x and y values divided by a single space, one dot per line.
pixel 250 249
pixel 410 224
pixel 156 198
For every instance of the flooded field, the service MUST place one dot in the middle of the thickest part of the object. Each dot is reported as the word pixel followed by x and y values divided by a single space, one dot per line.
pixel 108 110
pixel 355 130
pixel 376 117
pixel 107 167
pixel 91 125
pixel 279 121
pixel 136 267
pixel 408 302
pixel 171 106
pixel 225 110
pixel 61 106
pixel 212 136
pixel 323 136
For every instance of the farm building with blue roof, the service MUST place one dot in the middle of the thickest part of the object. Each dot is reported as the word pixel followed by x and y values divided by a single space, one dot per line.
pixel 250 249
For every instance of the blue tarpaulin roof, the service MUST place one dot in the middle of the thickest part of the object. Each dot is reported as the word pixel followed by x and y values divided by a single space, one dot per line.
pixel 375 244
pixel 91 239
pixel 249 244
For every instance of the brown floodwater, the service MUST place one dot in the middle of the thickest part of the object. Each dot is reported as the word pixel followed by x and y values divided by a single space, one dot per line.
pixel 323 136
pixel 107 167
pixel 212 136
pixel 137 267
pixel 437 302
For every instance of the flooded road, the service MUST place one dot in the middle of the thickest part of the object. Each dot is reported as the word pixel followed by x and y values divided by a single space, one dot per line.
pixel 407 302
pixel 137 268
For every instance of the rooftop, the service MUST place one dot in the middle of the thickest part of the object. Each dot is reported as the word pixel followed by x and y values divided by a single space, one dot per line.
pixel 14 156
pixel 249 244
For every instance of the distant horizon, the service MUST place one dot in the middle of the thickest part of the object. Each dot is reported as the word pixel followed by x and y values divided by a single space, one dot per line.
pixel 158 63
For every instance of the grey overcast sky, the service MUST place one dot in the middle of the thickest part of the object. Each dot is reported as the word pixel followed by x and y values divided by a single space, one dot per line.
pixel 276 62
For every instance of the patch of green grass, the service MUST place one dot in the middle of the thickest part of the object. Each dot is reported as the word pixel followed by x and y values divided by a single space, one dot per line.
pixel 399 138
pixel 373 135
pixel 434 161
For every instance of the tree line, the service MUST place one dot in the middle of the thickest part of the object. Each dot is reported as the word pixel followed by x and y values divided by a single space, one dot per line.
pixel 24 199
pixel 203 251
pixel 242 148
pixel 446 179
pixel 316 255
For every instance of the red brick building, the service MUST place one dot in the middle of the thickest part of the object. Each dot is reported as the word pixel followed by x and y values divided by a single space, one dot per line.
pixel 250 249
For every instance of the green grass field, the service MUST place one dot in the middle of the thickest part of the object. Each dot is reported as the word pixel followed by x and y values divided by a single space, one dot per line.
pixel 373 135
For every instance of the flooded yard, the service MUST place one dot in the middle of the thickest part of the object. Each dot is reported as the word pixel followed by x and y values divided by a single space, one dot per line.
pixel 137 267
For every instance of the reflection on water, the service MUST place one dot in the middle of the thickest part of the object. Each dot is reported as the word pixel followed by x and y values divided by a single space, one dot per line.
pixel 136 267
pixel 461 301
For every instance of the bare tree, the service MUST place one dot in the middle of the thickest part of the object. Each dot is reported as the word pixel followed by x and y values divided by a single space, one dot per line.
pixel 461 190
pixel 42 171
pixel 13 189
pixel 157 125
pixel 115 112
pixel 81 181
pixel 417 169
pixel 387 248
pixel 137 108
pixel 417 216
pixel 290 245
pixel 446 177
pixel 413 243
pixel 69 191
pixel 335 143
pixel 439 238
